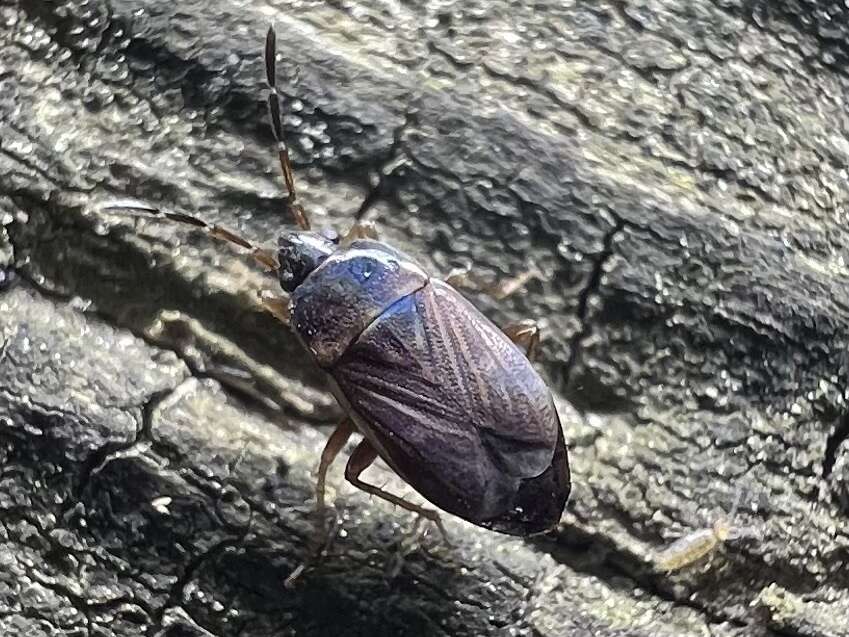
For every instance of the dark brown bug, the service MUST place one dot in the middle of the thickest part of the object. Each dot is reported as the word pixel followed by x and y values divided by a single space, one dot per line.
pixel 445 398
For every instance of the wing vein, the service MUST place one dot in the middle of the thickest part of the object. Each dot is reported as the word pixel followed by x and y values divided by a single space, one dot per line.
pixel 397 392
pixel 449 354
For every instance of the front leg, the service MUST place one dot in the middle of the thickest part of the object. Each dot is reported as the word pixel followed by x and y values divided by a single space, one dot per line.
pixel 334 445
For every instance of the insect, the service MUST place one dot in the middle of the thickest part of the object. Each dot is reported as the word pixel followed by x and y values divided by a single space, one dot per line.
pixel 450 402
pixel 694 546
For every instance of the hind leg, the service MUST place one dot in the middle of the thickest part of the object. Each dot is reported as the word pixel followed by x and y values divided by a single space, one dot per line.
pixel 362 458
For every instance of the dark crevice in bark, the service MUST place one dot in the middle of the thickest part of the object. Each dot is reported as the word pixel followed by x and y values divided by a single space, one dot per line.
pixel 125 303
pixel 8 273
pixel 832 52
pixel 385 167
pixel 195 565
pixel 98 459
pixel 81 604
pixel 585 297
pixel 839 434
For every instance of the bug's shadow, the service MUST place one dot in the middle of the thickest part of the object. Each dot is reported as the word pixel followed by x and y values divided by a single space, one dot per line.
pixel 364 587
pixel 227 575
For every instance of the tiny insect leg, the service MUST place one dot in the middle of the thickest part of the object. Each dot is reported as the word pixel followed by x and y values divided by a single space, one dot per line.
pixel 334 445
pixel 499 290
pixel 359 461
pixel 526 334
pixel 360 230
pixel 276 305
pixel 323 537
pixel 292 204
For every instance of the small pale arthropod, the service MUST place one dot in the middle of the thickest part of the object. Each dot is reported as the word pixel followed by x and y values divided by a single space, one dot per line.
pixel 695 545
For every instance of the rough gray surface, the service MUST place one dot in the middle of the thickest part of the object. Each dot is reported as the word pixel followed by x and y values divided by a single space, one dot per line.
pixel 677 170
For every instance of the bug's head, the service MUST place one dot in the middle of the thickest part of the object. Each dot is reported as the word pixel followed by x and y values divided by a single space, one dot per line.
pixel 301 252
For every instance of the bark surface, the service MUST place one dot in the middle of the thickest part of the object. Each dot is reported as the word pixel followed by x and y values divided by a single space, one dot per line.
pixel 676 171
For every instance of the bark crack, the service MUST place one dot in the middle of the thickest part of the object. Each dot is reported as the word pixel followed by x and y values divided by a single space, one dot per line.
pixel 101 457
pixel 195 565
pixel 387 165
pixel 838 435
pixel 593 286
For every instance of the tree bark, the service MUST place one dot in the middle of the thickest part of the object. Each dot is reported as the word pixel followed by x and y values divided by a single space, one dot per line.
pixel 673 172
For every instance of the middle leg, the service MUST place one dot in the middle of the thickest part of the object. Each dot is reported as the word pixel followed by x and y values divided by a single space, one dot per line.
pixel 323 536
pixel 526 334
pixel 334 445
